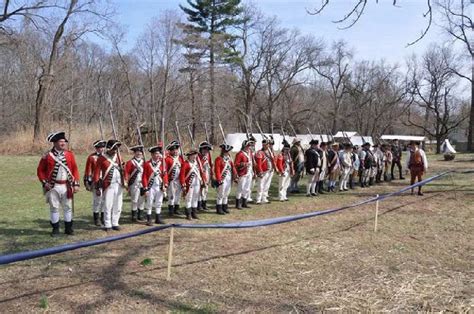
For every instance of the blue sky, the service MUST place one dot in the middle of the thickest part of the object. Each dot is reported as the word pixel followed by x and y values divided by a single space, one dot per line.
pixel 383 31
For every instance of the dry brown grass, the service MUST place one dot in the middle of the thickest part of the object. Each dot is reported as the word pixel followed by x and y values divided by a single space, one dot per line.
pixel 21 142
pixel 421 259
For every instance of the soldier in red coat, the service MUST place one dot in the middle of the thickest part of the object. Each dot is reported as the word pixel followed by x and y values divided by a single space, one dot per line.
pixel 109 179
pixel 58 172
pixel 134 172
pixel 174 163
pixel 91 163
pixel 225 173
pixel 192 179
pixel 285 170
pixel 264 169
pixel 155 183
pixel 204 157
pixel 244 163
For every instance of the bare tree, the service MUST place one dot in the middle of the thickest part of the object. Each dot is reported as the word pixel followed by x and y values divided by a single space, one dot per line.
pixel 434 107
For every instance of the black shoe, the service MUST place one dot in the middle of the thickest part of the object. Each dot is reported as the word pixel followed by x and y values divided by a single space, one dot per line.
pixel 148 220
pixel 393 177
pixel 402 178
pixel 55 231
pixel 219 210
pixel 204 205
pixel 188 213
pixel 134 216
pixel 238 203
pixel 116 228
pixel 194 213
pixel 199 208
pixel 139 215
pixel 308 194
pixel 68 228
pixel 420 193
pixel 170 210
pixel 176 210
pixel 314 194
pixel 158 219
pixel 244 203
pixel 225 208
pixel 321 188
pixel 371 181
pixel 102 219
pixel 97 219
pixel 107 229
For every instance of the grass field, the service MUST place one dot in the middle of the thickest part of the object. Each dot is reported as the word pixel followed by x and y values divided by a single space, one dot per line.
pixel 421 259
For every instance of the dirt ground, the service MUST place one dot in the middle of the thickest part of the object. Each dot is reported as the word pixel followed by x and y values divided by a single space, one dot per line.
pixel 420 259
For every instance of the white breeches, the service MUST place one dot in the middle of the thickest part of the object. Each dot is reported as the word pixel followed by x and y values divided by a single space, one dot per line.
pixel 154 199
pixel 174 192
pixel 112 205
pixel 223 191
pixel 137 200
pixel 194 192
pixel 283 184
pixel 57 198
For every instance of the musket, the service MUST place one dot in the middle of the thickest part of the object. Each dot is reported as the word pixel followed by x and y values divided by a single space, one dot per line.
pixel 179 139
pixel 191 136
pixel 260 130
pixel 311 134
pixel 292 128
pixel 205 130
pixel 222 130
pixel 109 100
pixel 155 127
pixel 100 127
pixel 320 132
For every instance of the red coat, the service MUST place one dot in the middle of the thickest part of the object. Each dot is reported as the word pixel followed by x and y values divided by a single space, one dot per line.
pixel 169 166
pixel 102 179
pixel 281 165
pixel 130 171
pixel 90 166
pixel 241 159
pixel 206 161
pixel 219 168
pixel 184 179
pixel 149 173
pixel 263 162
pixel 47 164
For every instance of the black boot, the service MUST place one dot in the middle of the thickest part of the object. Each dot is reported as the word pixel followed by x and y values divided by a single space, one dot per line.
pixel 170 210
pixel 194 213
pixel 199 208
pixel 401 175
pixel 188 213
pixel 148 220
pixel 351 183
pixel 243 200
pixel 176 210
pixel 238 203
pixel 204 205
pixel 320 187
pixel 55 231
pixel 68 228
pixel 225 208
pixel 96 219
pixel 219 210
pixel 139 215
pixel 102 219
pixel 158 219
pixel 134 216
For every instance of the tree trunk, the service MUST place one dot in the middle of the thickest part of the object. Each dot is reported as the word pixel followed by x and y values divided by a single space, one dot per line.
pixel 193 103
pixel 470 134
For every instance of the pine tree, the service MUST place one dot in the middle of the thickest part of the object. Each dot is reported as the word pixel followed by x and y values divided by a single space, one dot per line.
pixel 213 20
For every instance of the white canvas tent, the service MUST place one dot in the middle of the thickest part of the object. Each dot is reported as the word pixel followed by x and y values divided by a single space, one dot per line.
pixel 354 137
pixel 236 139
pixel 447 148
pixel 405 138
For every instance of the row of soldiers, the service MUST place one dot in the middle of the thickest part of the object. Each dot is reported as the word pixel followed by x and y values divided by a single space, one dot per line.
pixel 170 174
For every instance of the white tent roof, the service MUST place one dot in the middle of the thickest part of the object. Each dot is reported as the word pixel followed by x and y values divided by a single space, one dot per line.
pixel 403 137
pixel 345 134
pixel 236 139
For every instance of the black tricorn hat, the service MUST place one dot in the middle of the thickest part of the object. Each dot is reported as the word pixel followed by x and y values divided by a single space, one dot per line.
pixel 154 149
pixel 137 148
pixel 56 136
pixel 111 144
pixel 173 145
pixel 190 152
pixel 226 147
pixel 285 144
pixel 313 142
pixel 366 144
pixel 99 143
pixel 205 144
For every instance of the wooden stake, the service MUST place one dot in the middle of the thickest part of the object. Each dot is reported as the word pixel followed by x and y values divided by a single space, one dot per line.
pixel 376 213
pixel 170 254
